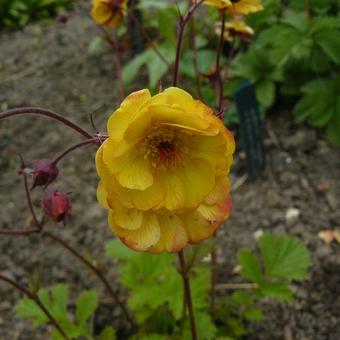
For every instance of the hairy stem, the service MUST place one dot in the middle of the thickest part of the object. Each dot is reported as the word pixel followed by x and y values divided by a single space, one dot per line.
pixel 182 23
pixel 35 298
pixel 46 113
pixel 218 65
pixel 97 272
pixel 187 294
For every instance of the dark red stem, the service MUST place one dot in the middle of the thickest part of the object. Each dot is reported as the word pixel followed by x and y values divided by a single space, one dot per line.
pixel 195 56
pixel 182 23
pixel 218 65
pixel 28 196
pixel 74 147
pixel 46 113
pixel 36 299
pixel 187 293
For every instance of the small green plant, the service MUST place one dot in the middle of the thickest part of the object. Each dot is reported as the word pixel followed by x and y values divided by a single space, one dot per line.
pixel 76 325
pixel 281 260
pixel 303 65
pixel 156 298
pixel 155 291
pixel 17 13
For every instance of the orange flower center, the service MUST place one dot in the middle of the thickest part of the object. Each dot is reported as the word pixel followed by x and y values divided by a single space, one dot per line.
pixel 165 147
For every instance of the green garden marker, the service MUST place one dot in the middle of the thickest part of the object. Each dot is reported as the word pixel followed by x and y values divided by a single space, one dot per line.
pixel 250 128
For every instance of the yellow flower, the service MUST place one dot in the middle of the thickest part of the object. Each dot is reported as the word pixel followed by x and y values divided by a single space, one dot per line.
pixel 236 7
pixel 235 28
pixel 164 171
pixel 108 12
pixel 244 7
pixel 222 4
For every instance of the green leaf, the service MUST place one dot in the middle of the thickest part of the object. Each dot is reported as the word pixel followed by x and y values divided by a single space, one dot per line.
pixel 298 20
pixel 28 309
pixel 205 327
pixel 108 333
pixel 284 256
pixel 155 65
pixel 321 111
pixel 131 68
pixel 253 313
pixel 265 92
pixel 164 17
pixel 115 249
pixel 329 41
pixel 277 290
pixel 86 305
pixel 60 295
pixel 250 266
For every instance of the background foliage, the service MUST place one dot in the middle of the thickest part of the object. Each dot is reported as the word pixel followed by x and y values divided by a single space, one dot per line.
pixel 17 13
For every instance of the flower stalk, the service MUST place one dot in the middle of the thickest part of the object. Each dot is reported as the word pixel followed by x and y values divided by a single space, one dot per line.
pixel 74 147
pixel 46 113
pixel 182 23
pixel 187 294
pixel 218 65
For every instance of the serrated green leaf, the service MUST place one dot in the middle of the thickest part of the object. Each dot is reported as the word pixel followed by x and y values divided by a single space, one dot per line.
pixel 284 256
pixel 28 309
pixel 86 305
pixel 329 41
pixel 277 290
pixel 60 295
pixel 250 266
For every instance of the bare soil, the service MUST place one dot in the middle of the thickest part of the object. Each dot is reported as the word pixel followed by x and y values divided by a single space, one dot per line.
pixel 51 66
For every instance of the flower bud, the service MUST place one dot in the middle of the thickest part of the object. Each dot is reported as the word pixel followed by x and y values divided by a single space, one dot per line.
pixel 56 205
pixel 44 173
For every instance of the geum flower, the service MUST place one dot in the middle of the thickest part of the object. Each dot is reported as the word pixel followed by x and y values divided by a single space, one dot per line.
pixel 235 28
pixel 108 13
pixel 164 171
pixel 236 7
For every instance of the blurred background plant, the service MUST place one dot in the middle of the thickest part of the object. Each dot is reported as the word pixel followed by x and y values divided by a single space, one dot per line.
pixel 294 60
pixel 17 13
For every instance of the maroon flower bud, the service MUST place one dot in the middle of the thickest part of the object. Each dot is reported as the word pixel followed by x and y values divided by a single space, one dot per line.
pixel 56 205
pixel 44 173
pixel 62 18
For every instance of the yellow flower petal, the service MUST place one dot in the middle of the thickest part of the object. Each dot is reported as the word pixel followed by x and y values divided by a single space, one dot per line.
pixel 102 195
pixel 128 111
pixel 166 115
pixel 185 187
pixel 142 238
pixel 244 7
pixel 218 3
pixel 173 235
pixel 219 192
pixel 125 218
pixel 100 13
pixel 131 169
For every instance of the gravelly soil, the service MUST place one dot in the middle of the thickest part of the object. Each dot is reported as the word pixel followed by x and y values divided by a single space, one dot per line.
pixel 50 66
